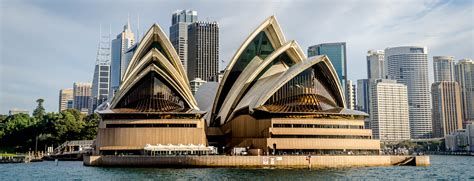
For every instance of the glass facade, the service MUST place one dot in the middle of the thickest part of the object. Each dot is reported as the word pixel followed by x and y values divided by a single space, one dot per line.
pixel 336 53
pixel 260 46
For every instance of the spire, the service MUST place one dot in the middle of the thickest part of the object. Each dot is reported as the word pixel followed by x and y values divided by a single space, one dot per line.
pixel 127 27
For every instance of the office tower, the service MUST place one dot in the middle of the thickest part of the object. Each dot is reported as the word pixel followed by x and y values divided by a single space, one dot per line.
pixel 203 50
pixel 119 62
pixel 389 118
pixel 65 99
pixel 100 81
pixel 409 66
pixel 82 94
pixel 351 95
pixel 375 65
pixel 195 84
pixel 465 77
pixel 180 21
pixel 337 55
pixel 363 95
pixel 447 115
pixel 443 67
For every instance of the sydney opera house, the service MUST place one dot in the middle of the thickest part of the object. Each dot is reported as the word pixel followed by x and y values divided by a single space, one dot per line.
pixel 272 99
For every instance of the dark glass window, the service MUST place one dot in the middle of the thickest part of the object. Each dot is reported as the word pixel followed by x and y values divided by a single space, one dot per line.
pixel 260 46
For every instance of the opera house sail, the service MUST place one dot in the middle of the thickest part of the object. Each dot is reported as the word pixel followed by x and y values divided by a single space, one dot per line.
pixel 154 104
pixel 274 99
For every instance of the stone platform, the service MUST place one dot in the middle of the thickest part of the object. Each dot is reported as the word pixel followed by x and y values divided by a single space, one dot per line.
pixel 256 161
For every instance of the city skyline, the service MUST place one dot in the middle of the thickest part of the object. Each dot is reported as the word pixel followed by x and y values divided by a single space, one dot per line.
pixel 21 85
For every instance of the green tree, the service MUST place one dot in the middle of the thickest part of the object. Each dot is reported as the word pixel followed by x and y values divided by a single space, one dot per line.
pixel 91 126
pixel 17 130
pixel 39 112
pixel 69 125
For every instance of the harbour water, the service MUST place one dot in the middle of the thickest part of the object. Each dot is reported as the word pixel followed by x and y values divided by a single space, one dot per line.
pixel 442 167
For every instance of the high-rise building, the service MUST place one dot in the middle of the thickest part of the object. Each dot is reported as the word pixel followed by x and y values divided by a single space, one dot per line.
pixel 203 50
pixel 389 118
pixel 447 115
pixel 82 95
pixel 465 77
pixel 443 67
pixel 351 95
pixel 338 57
pixel 65 99
pixel 101 79
pixel 119 62
pixel 409 66
pixel 375 64
pixel 180 21
pixel 363 95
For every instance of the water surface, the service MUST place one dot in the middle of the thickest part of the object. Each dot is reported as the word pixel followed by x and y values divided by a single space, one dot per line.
pixel 442 167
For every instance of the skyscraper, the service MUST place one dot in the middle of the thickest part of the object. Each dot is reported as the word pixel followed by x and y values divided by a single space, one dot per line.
pixel 447 115
pixel 65 99
pixel 100 81
pixel 351 95
pixel 363 95
pixel 443 67
pixel 389 118
pixel 119 61
pixel 465 77
pixel 180 21
pixel 337 55
pixel 82 96
pixel 203 50
pixel 375 65
pixel 409 66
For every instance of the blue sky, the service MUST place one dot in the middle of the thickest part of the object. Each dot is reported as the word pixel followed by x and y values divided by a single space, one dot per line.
pixel 49 45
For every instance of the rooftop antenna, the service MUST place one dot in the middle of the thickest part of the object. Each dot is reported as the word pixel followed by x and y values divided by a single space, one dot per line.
pixel 138 27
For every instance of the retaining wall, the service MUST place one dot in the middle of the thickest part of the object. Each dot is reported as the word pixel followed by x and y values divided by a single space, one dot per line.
pixel 251 161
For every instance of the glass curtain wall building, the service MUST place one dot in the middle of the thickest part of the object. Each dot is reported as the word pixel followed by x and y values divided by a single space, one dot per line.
pixel 336 53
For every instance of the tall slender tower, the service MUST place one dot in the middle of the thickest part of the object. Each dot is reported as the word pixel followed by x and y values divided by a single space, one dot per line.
pixel 119 62
pixel 180 21
pixel 443 67
pixel 447 113
pixel 409 66
pixel 203 50
pixel 351 95
pixel 465 77
pixel 101 79
pixel 375 64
